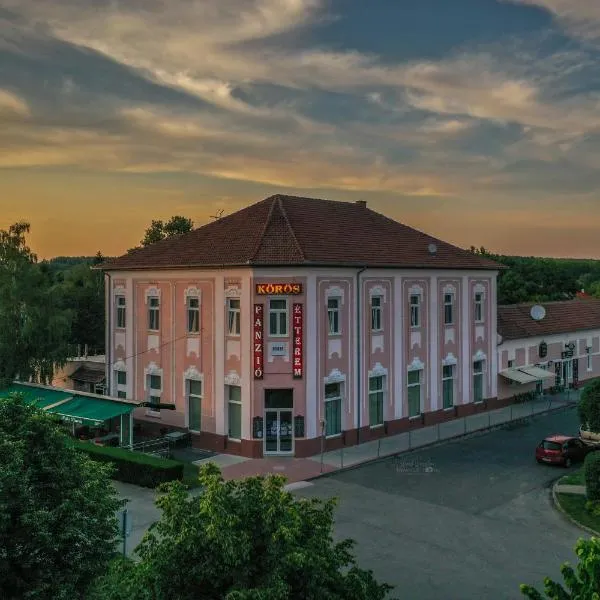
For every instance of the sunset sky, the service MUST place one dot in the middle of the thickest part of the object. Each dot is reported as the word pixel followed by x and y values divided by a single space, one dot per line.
pixel 477 121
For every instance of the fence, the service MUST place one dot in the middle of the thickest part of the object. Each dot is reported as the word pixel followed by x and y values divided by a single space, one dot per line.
pixel 155 447
pixel 508 417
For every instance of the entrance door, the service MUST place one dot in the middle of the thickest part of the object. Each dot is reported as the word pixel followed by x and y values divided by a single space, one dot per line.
pixel 279 422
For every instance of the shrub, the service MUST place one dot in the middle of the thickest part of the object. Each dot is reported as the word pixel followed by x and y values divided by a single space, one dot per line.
pixel 592 476
pixel 134 467
pixel 589 406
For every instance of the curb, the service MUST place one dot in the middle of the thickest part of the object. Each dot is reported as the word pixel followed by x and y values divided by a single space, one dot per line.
pixel 566 515
pixel 449 440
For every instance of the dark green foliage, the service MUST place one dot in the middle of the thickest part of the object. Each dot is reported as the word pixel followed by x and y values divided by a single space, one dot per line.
pixel 58 526
pixel 589 406
pixel 591 469
pixel 133 467
pixel 240 540
pixel 160 230
pixel 582 583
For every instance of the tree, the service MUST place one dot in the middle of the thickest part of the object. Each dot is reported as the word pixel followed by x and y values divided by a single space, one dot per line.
pixel 581 584
pixel 240 540
pixel 34 327
pixel 589 406
pixel 58 526
pixel 160 230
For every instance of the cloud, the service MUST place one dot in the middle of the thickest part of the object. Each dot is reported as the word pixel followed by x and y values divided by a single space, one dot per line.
pixel 11 105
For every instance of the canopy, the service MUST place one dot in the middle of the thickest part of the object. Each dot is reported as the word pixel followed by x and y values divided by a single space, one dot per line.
pixel 94 411
pixel 538 373
pixel 41 397
pixel 518 376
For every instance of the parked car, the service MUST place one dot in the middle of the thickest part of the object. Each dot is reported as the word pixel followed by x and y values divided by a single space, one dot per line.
pixel 561 450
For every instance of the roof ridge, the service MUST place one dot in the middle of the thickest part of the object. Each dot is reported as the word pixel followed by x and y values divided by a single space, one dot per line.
pixel 289 224
pixel 261 237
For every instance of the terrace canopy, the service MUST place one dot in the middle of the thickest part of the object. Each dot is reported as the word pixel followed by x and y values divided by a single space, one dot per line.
pixel 518 376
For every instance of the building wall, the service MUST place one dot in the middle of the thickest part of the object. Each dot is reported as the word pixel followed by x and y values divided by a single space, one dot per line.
pixel 219 359
pixel 525 352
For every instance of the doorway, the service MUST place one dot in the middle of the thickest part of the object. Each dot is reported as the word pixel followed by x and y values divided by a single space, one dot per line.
pixel 279 422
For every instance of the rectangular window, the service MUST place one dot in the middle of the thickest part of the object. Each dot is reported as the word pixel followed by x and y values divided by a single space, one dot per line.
pixel 121 314
pixel 278 318
pixel 448 386
pixel 153 313
pixel 511 364
pixel 193 315
pixel 376 314
pixel 194 398
pixel 234 410
pixel 478 307
pixel 588 352
pixel 376 401
pixel 333 409
pixel 478 381
pixel 122 395
pixel 333 315
pixel 448 309
pixel 121 378
pixel 154 385
pixel 233 316
pixel 414 393
pixel 415 310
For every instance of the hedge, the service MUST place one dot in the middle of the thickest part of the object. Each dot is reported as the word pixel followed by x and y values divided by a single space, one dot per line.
pixel 592 476
pixel 133 467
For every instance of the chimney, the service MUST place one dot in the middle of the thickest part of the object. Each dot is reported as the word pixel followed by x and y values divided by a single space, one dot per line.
pixel 362 203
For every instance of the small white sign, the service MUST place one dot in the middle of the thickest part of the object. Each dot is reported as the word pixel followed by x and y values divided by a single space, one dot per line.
pixel 278 349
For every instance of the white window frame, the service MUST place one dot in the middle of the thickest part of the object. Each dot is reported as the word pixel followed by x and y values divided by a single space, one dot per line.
pixel 380 393
pixel 334 313
pixel 189 396
pixel 478 307
pixel 153 309
pixel 236 403
pixel 451 378
pixel 327 400
pixel 192 310
pixel 448 307
pixel 120 311
pixel 588 354
pixel 234 317
pixel 376 313
pixel 279 311
pixel 150 390
pixel 411 385
pixel 117 373
pixel 480 374
pixel 415 311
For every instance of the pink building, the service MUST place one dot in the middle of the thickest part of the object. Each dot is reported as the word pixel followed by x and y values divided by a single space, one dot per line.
pixel 295 320
pixel 552 344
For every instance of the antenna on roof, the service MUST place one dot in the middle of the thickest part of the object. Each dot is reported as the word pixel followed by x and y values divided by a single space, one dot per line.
pixel 432 248
pixel 537 312
pixel 218 215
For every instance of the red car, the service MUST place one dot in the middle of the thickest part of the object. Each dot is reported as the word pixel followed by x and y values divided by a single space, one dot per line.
pixel 561 450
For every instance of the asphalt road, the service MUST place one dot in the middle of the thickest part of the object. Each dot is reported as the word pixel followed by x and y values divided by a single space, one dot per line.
pixel 469 520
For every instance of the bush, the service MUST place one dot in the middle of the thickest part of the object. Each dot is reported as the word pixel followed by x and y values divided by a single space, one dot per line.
pixel 592 476
pixel 134 467
pixel 589 406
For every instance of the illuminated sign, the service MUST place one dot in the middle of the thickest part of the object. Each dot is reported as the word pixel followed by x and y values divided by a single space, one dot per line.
pixel 258 341
pixel 278 289
pixel 297 321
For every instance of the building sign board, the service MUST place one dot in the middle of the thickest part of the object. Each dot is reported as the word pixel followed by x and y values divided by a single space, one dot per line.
pixel 298 346
pixel 258 352
pixel 278 348
pixel 278 289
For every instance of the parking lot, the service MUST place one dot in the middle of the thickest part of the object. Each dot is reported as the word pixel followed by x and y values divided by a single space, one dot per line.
pixel 470 519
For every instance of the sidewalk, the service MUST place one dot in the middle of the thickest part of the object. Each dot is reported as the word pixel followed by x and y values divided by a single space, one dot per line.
pixel 301 469
pixel 578 490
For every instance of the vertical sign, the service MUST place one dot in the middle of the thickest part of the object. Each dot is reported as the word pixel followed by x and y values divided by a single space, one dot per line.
pixel 557 366
pixel 298 341
pixel 258 341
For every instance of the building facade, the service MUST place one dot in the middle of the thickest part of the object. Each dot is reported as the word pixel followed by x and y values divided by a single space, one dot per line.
pixel 298 322
pixel 563 341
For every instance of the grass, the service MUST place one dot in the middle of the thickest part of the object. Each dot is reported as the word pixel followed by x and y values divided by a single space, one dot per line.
pixel 575 478
pixel 574 506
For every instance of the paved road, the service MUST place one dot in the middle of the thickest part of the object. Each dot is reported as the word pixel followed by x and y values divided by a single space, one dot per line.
pixel 464 521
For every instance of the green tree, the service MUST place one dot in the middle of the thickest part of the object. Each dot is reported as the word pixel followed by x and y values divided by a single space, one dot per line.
pixel 589 406
pixel 582 583
pixel 160 230
pixel 241 540
pixel 58 508
pixel 34 327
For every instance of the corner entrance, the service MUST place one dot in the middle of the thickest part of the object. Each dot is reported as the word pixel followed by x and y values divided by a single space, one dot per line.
pixel 279 422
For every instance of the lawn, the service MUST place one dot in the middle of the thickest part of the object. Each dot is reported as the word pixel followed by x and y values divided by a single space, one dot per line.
pixel 575 478
pixel 574 506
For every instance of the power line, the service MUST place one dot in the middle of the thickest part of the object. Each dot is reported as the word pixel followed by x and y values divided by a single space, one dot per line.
pixel 160 346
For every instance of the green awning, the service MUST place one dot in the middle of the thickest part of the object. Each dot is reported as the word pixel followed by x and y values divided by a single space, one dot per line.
pixel 41 397
pixel 90 411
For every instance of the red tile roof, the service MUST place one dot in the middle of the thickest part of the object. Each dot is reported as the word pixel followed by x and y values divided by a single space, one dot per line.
pixel 514 321
pixel 288 230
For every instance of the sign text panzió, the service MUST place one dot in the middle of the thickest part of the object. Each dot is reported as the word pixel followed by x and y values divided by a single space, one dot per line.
pixel 278 289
